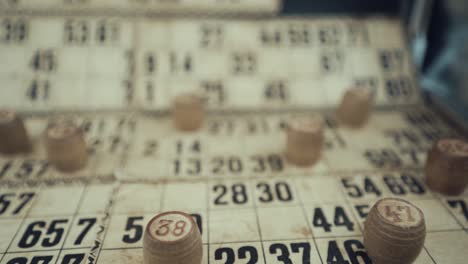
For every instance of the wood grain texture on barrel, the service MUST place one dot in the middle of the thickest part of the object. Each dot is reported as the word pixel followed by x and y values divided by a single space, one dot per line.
pixel 446 167
pixel 355 107
pixel 304 140
pixel 188 112
pixel 14 138
pixel 172 238
pixel 394 232
pixel 66 147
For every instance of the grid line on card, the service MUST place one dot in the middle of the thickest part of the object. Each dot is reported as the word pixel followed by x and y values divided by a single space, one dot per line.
pixel 271 240
pixel 444 204
pixel 136 78
pixel 86 74
pixel 105 222
pixel 133 75
pixel 336 131
pixel 349 204
pixel 43 250
pixel 163 196
pixel 429 254
pixel 121 248
pixel 304 212
pixel 20 226
pixel 207 189
pixel 443 231
pixel 72 220
pixel 257 219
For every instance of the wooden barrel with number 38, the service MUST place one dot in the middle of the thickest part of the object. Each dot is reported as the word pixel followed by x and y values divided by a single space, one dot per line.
pixel 172 238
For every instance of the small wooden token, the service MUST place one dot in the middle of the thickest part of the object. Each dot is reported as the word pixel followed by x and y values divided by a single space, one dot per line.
pixel 355 107
pixel 447 166
pixel 172 238
pixel 188 112
pixel 14 138
pixel 394 231
pixel 304 140
pixel 66 147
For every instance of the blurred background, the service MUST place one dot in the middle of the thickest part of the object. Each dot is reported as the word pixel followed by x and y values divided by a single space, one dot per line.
pixel 437 32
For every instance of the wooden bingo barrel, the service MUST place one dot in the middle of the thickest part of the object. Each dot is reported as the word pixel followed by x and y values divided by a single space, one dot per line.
pixel 13 135
pixel 355 107
pixel 447 166
pixel 66 147
pixel 304 140
pixel 394 231
pixel 172 238
pixel 188 112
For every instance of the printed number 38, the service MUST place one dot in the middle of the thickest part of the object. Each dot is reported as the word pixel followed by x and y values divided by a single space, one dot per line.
pixel 164 227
